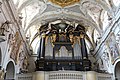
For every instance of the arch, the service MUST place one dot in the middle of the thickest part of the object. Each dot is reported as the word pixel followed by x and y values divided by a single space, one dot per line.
pixel 50 16
pixel 10 71
pixel 117 70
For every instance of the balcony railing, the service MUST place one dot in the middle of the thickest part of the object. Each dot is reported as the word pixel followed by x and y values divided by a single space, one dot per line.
pixel 64 75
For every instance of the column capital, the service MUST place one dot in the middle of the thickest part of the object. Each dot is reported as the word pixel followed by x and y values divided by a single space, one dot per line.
pixel 43 35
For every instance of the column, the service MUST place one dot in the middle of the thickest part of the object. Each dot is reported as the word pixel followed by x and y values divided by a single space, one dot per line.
pixel 39 52
pixel 43 46
pixel 83 47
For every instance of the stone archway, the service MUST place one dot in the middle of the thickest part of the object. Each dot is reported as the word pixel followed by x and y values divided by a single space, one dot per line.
pixel 117 71
pixel 10 71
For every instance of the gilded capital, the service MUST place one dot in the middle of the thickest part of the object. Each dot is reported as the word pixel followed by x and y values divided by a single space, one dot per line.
pixel 43 35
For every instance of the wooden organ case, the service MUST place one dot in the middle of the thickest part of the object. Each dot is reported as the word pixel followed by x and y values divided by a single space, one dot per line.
pixel 68 43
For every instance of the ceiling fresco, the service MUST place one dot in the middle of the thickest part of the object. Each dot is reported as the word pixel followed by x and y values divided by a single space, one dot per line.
pixel 94 15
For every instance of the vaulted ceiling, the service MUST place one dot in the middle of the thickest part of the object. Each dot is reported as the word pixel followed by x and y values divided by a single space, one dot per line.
pixel 94 15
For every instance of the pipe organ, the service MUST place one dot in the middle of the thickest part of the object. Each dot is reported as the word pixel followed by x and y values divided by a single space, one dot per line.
pixel 62 47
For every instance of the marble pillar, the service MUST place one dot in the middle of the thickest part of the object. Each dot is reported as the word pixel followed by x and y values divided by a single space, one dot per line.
pixel 39 54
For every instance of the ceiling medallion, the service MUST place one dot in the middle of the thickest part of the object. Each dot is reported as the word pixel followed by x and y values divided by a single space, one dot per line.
pixel 64 3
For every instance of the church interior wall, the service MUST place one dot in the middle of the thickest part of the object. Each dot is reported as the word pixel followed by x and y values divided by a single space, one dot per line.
pixel 109 51
pixel 12 36
pixel 105 59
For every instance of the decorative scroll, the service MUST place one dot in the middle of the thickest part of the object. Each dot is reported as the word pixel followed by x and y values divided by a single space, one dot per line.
pixel 16 45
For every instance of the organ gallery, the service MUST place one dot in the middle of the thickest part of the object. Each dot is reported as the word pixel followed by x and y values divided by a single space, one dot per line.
pixel 68 48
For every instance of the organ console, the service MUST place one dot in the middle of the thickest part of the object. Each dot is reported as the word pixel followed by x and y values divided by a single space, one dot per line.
pixel 64 54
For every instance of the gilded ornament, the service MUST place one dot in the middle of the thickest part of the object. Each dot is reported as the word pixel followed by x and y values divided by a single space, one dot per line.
pixel 71 37
pixel 43 35
pixel 64 3
pixel 54 37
